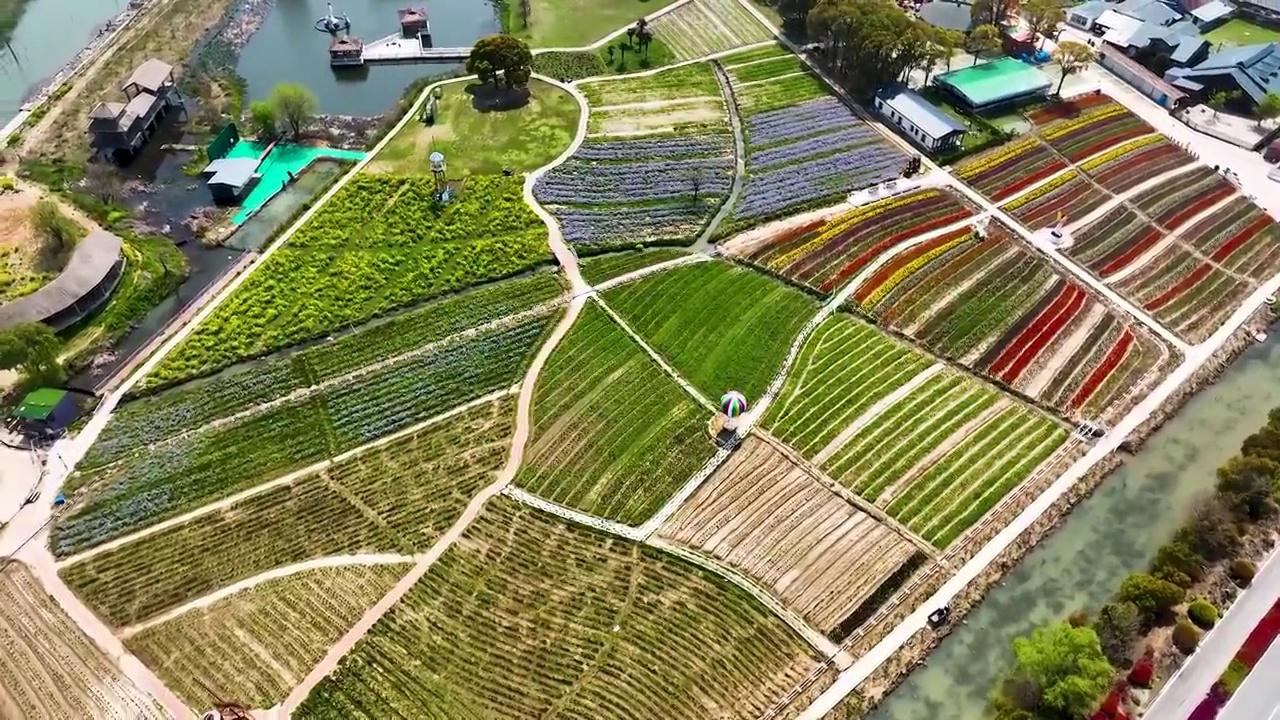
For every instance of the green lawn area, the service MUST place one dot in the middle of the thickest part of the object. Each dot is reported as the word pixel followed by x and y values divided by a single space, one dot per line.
pixel 1241 32
pixel 479 135
pixel 574 23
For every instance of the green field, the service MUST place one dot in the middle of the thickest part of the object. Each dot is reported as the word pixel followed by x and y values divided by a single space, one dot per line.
pixel 529 616
pixel 613 435
pixel 483 133
pixel 1238 31
pixel 599 268
pixel 844 368
pixel 574 23
pixel 379 244
pixel 169 478
pixel 720 326
pixel 685 82
pixel 261 642
pixel 398 498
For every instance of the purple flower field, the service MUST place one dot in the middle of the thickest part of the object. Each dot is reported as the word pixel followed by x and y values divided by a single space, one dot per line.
pixel 631 224
pixel 807 118
pixel 674 147
pixel 844 139
pixel 832 176
pixel 582 183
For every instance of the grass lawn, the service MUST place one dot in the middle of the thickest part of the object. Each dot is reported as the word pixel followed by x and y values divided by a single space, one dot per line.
pixel 479 135
pixel 1241 32
pixel 574 23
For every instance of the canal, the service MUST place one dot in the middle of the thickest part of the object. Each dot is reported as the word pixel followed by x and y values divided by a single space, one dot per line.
pixel 1106 537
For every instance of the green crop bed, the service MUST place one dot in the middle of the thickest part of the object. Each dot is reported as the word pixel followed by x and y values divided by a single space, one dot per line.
pixel 380 244
pixel 779 93
pixel 613 435
pixel 844 368
pixel 529 616
pixel 721 326
pixel 604 267
pixel 688 81
pixel 172 477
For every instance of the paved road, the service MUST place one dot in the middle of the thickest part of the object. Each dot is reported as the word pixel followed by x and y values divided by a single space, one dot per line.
pixel 1259 697
pixel 1188 686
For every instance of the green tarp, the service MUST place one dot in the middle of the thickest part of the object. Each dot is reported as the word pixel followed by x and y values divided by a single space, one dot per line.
pixel 39 404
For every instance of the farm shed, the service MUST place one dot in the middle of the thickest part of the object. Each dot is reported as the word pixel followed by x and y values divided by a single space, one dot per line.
pixel 88 279
pixel 922 122
pixel 995 83
pixel 231 178
pixel 47 409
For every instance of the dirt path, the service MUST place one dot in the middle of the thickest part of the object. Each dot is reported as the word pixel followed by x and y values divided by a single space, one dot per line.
pixel 703 243
pixel 1066 350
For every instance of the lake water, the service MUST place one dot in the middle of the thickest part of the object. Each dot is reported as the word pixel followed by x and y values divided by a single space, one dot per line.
pixel 48 35
pixel 1108 536
pixel 288 48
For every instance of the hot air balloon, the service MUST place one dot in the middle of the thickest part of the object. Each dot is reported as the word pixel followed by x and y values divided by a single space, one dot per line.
pixel 733 404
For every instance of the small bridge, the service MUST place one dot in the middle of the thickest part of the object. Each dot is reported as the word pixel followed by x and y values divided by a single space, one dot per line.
pixel 397 48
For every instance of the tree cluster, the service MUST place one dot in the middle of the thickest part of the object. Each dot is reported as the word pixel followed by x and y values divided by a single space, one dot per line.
pixel 869 43
pixel 32 350
pixel 289 107
pixel 1059 672
pixel 501 60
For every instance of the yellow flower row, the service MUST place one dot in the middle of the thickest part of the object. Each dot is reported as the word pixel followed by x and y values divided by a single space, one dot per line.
pixel 903 272
pixel 1041 191
pixel 1085 119
pixel 1124 149
pixel 844 222
pixel 1016 149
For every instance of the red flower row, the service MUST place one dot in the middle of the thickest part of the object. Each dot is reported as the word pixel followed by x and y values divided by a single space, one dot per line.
pixel 1198 206
pixel 883 274
pixel 1203 270
pixel 870 253
pixel 1031 341
pixel 1104 369
pixel 1028 180
pixel 1132 253
pixel 1097 147
pixel 1254 647
pixel 1068 108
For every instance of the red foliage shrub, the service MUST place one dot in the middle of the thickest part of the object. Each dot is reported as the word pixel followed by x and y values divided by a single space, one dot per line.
pixel 1142 673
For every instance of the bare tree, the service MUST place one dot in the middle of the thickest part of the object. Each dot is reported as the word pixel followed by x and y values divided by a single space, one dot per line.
pixel 103 182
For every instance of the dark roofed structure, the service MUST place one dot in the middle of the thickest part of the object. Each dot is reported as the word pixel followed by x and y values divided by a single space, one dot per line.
pixel 151 76
pixel 89 277
pixel 1254 70
pixel 120 130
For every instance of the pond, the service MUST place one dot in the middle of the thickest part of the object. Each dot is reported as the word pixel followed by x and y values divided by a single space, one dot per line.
pixel 288 48
pixel 1111 534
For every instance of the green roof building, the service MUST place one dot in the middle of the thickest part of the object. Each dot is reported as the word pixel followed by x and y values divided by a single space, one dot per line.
pixel 47 409
pixel 998 82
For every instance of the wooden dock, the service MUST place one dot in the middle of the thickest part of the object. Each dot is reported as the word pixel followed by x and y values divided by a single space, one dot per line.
pixel 399 49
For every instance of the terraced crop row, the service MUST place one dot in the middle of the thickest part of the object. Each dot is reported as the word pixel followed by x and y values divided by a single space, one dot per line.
pixel 703 27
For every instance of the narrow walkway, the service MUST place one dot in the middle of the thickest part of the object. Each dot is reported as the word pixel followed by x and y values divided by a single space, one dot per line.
pixel 576 516
pixel 1118 198
pixel 650 270
pixel 685 385
pixel 703 244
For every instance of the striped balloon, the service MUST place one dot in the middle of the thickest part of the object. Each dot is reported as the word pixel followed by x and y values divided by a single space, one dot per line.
pixel 733 403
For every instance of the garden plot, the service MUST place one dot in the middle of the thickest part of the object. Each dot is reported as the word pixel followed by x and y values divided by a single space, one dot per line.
pixel 703 27
pixel 1240 237
pixel 600 268
pixel 171 477
pixel 722 327
pixel 397 498
pixel 258 644
pixel 1135 162
pixel 381 243
pixel 754 55
pixel 1067 197
pixel 812 549
pixel 1087 125
pixel 825 255
pixel 1002 172
pixel 995 306
pixel 573 623
pixel 48 668
pixel 686 82
pixel 1114 241
pixel 1186 293
pixel 806 152
pixel 1177 200
pixel 844 369
pixel 613 435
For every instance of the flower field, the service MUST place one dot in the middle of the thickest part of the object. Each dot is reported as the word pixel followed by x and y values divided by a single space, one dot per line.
pixel 1069 196
pixel 1179 199
pixel 808 153
pixel 844 368
pixel 613 435
pixel 830 254
pixel 722 327
pixel 1189 295
pixel 607 628
pixel 399 497
pixel 267 638
pixel 1128 165
pixel 1114 241
pixel 49 668
pixel 380 244
pixel 1243 226
pixel 1004 171
pixel 1092 130
pixel 599 268
pixel 171 477
pixel 703 27
pixel 814 551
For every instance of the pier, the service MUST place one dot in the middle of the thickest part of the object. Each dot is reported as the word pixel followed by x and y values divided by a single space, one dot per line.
pixel 411 45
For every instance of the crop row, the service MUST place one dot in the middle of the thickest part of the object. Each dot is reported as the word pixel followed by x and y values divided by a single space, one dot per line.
pixel 825 144
pixel 675 222
pixel 754 55
pixel 588 183
pixel 1135 162
pixel 703 27
pixel 395 498
pixel 1067 197
pixel 687 81
pixel 1256 256
pixel 337 272
pixel 655 147
pixel 171 477
pixel 149 419
pixel 785 189
pixel 822 115
pixel 1184 292
pixel 766 70
pixel 763 96
pixel 613 435
pixel 599 268
pixel 1114 240
pixel 531 616
pixel 1070 108
pixel 844 368
pixel 1094 131
pixel 1004 171
pixel 1178 199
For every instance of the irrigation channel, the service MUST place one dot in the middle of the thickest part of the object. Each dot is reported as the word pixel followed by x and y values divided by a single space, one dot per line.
pixel 1106 537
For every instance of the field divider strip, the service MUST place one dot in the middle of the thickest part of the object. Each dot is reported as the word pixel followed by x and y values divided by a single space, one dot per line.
pixel 815 639
pixel 285 571
pixel 651 270
pixel 283 480
pixel 739 158
pixel 876 409
pixel 653 354
pixel 525 497
pixel 1171 237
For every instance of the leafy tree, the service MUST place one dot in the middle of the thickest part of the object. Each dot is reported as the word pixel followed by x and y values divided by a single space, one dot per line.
pixel 1177 556
pixel 1117 626
pixel 1266 442
pixel 32 349
pixel 1043 17
pixel 1220 99
pixel 984 39
pixel 1152 596
pixel 1211 533
pixel 51 225
pixel 1268 108
pixel 1067 668
pixel 264 123
pixel 294 105
pixel 992 12
pixel 794 12
pixel 1246 488
pixel 502 58
pixel 1072 57
pixel 949 41
pixel 867 43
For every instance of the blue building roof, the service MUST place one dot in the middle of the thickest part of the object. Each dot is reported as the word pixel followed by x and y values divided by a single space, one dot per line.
pixel 922 113
pixel 1091 10
pixel 1254 68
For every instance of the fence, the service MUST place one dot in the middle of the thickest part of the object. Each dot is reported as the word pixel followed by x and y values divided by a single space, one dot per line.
pixel 228 136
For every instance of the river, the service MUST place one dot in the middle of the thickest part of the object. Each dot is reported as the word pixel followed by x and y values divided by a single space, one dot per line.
pixel 288 48
pixel 49 33
pixel 1106 537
